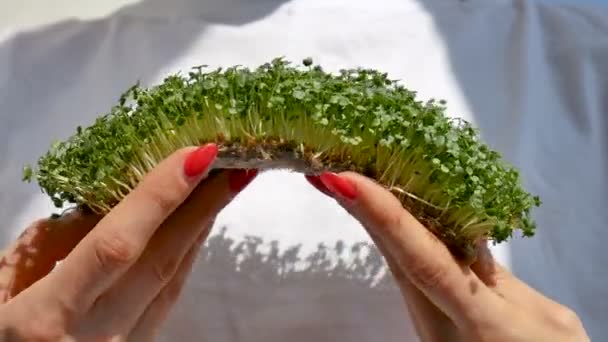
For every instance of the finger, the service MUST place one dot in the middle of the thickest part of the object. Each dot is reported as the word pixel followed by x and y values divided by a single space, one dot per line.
pixel 151 321
pixel 521 294
pixel 158 264
pixel 315 181
pixel 431 323
pixel 39 248
pixel 507 285
pixel 511 288
pixel 121 236
pixel 485 264
pixel 525 298
pixel 421 310
pixel 452 287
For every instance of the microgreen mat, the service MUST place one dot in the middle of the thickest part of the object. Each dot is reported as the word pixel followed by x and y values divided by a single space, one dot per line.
pixel 279 115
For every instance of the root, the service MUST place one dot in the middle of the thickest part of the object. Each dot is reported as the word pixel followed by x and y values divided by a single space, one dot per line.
pixel 277 154
pixel 403 192
pixel 273 154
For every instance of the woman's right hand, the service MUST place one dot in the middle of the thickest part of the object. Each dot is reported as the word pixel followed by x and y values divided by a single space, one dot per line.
pixel 449 301
pixel 122 272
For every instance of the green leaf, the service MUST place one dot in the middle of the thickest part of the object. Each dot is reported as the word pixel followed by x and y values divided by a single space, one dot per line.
pixel 28 173
pixel 357 119
pixel 307 61
pixel 298 94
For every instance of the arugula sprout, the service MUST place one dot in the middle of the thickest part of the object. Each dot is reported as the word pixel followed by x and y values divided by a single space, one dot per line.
pixel 308 120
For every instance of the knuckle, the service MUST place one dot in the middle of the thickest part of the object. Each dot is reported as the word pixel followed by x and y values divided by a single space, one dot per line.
pixel 426 274
pixel 566 319
pixel 392 220
pixel 387 223
pixel 114 252
pixel 67 306
pixel 166 198
pixel 42 328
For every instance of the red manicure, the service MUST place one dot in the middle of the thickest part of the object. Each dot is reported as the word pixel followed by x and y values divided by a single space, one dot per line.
pixel 199 160
pixel 316 182
pixel 339 185
pixel 239 179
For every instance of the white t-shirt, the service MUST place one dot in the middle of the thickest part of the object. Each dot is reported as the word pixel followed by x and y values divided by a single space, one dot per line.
pixel 284 261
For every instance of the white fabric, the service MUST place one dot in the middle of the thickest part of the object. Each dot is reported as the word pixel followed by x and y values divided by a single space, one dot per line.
pixel 533 77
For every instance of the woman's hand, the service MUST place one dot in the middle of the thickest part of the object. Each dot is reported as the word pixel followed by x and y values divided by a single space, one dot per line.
pixel 120 274
pixel 448 301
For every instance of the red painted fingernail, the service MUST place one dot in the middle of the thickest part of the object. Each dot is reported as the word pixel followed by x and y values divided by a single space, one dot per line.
pixel 200 159
pixel 239 179
pixel 316 182
pixel 339 185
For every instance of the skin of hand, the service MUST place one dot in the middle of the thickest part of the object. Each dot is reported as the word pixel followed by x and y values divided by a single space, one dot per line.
pixel 119 274
pixel 446 300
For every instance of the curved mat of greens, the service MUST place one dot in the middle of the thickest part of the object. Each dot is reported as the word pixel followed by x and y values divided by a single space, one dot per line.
pixel 307 120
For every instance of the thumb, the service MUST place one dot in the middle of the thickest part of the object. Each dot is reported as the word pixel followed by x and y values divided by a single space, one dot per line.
pixel 485 267
pixel 38 249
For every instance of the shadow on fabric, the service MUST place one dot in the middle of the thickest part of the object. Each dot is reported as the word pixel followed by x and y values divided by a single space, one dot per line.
pixel 282 286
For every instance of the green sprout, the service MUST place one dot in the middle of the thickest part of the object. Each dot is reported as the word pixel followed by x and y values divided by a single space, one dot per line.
pixel 307 120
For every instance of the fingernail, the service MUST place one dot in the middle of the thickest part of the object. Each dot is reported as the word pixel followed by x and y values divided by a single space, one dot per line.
pixel 315 181
pixel 239 179
pixel 199 160
pixel 339 185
